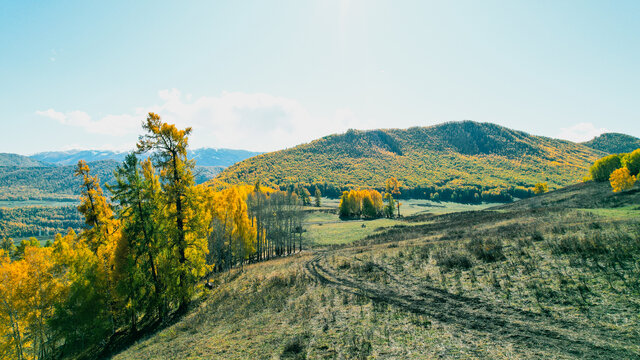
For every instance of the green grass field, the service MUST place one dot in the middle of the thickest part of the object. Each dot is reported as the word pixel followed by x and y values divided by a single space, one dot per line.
pixel 622 213
pixel 324 227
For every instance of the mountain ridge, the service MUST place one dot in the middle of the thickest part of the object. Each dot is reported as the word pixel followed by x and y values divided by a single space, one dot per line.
pixel 466 156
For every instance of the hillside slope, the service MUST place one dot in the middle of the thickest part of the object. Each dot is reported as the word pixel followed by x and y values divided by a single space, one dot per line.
pixel 48 182
pixel 549 283
pixel 587 195
pixel 16 160
pixel 614 143
pixel 458 160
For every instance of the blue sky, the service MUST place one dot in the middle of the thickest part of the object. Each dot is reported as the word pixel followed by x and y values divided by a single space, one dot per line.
pixel 264 75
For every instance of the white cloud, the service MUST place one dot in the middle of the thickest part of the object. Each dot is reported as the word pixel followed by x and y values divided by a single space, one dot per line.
pixel 107 125
pixel 254 121
pixel 581 132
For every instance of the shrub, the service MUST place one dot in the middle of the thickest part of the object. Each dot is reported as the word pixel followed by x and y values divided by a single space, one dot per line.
pixel 295 348
pixel 537 236
pixel 487 250
pixel 448 259
pixel 602 169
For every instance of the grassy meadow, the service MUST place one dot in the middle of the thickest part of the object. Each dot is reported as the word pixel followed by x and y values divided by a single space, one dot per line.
pixel 324 227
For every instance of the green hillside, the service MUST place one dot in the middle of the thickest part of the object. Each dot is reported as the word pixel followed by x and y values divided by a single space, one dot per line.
pixel 40 181
pixel 614 143
pixel 19 161
pixel 461 161
pixel 48 182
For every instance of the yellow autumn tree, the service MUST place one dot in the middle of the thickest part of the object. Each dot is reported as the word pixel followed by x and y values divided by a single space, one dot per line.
pixel 621 180
pixel 367 203
pixel 43 289
pixel 83 314
pixel 95 208
pixel 182 225
pixel 233 235
pixel 540 188
pixel 13 308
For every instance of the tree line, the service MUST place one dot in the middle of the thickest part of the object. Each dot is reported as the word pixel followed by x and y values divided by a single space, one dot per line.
pixel 141 253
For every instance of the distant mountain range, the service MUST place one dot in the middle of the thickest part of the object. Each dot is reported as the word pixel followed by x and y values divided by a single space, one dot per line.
pixel 203 156
pixel 49 175
pixel 460 161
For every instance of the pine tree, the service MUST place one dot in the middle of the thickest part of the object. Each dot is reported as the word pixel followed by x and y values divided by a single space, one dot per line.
pixel 140 210
pixel 169 154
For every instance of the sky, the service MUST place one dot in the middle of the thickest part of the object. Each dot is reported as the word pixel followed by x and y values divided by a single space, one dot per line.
pixel 266 75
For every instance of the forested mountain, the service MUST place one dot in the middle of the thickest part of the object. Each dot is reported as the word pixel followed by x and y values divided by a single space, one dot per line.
pixel 48 182
pixel 19 160
pixel 461 161
pixel 203 156
pixel 614 143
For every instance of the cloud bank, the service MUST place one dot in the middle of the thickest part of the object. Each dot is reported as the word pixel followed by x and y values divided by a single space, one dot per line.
pixel 581 132
pixel 254 121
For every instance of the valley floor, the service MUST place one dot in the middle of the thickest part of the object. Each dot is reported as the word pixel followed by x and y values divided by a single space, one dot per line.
pixel 517 282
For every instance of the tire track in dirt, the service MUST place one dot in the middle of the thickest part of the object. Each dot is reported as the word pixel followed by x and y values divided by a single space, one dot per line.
pixel 533 332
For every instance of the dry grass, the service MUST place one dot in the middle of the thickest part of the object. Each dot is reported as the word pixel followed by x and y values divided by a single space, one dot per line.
pixel 563 285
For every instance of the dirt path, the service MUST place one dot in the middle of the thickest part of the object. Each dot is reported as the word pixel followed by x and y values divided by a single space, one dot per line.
pixel 536 335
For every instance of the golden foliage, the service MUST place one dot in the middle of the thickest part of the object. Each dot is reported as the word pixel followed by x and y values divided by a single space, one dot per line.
pixel 366 203
pixel 622 180
pixel 540 188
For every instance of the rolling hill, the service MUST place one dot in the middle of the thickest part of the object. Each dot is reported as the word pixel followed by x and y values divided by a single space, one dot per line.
pixel 461 161
pixel 48 182
pixel 16 160
pixel 614 143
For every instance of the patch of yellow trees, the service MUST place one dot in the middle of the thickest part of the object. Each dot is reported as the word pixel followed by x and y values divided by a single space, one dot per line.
pixel 621 170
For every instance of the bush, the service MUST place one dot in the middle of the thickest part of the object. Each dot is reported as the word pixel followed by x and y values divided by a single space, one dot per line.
pixel 537 236
pixel 448 259
pixel 602 169
pixel 487 250
pixel 295 348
